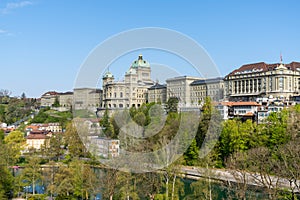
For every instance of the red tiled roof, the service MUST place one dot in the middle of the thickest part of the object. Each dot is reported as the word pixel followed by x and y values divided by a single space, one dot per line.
pixel 239 103
pixel 50 93
pixel 262 66
pixel 37 136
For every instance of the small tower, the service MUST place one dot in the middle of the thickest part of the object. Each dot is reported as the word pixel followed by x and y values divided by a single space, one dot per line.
pixel 108 77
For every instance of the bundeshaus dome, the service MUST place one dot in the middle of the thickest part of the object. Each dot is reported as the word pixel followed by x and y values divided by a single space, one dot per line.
pixel 140 63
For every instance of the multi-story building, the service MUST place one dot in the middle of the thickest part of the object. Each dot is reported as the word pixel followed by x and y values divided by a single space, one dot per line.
pixel 243 110
pixel 87 98
pixel 157 93
pixel 213 88
pixel 131 92
pixel 104 147
pixel 180 87
pixel 36 139
pixel 48 98
pixel 198 92
pixel 66 99
pixel 261 80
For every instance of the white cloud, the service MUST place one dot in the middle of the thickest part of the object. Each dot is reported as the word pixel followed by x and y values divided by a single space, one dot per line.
pixel 14 5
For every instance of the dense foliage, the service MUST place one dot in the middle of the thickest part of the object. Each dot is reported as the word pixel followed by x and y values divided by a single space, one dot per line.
pixel 270 150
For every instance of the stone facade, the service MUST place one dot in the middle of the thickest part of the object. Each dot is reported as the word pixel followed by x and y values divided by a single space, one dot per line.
pixel 48 98
pixel 261 80
pixel 66 99
pixel 180 87
pixel 132 92
pixel 87 98
pixel 200 89
pixel 157 94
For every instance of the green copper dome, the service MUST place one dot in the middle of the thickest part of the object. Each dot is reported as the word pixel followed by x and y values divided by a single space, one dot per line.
pixel 140 63
pixel 108 75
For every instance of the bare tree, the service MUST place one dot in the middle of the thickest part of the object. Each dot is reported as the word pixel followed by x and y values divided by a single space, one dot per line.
pixel 264 165
pixel 289 165
pixel 5 93
pixel 238 168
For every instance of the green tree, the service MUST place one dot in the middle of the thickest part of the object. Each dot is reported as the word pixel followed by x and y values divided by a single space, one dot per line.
pixel 6 178
pixel 2 113
pixel 73 142
pixel 85 181
pixel 150 184
pixel 172 105
pixel 32 174
pixel 1 135
pixel 23 96
pixel 206 113
pixel 63 184
pixel 140 118
pixel 127 188
pixel 106 125
pixel 276 129
pixel 192 153
pixel 16 110
pixel 6 182
pixel 55 148
pixel 15 140
pixel 109 182
pixel 56 102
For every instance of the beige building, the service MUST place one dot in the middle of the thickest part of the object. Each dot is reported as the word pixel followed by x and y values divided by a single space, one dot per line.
pixel 180 87
pixel 157 94
pixel 87 98
pixel 66 99
pixel 263 80
pixel 131 92
pixel 48 98
pixel 36 141
pixel 213 87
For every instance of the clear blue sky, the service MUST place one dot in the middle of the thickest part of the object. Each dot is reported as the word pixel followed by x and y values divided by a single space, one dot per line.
pixel 44 42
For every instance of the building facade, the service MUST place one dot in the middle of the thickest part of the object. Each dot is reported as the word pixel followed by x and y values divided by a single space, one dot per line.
pixel 180 87
pixel 157 94
pixel 87 98
pixel 200 89
pixel 261 80
pixel 131 92
pixel 66 99
pixel 48 98
pixel 104 147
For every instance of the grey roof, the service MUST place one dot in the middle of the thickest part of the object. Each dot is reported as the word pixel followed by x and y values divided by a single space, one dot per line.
pixel 210 80
pixel 157 86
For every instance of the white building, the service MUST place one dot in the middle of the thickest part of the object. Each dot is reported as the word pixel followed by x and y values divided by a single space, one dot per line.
pixel 104 147
pixel 131 92
pixel 244 110
pixel 180 87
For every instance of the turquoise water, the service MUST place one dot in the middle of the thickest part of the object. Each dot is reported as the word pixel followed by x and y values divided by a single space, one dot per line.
pixel 219 191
